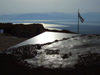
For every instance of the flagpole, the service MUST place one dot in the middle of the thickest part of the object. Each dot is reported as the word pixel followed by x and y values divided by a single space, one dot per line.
pixel 78 22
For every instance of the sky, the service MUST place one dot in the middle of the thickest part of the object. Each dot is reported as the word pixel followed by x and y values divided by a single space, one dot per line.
pixel 45 6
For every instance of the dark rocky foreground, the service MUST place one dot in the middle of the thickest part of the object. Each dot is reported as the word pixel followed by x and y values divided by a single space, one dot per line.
pixel 13 61
pixel 10 65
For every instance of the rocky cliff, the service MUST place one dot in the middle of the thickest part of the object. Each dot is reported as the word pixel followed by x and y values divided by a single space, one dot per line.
pixel 29 30
pixel 22 30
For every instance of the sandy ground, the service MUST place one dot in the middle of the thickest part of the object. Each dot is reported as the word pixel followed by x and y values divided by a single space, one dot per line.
pixel 8 41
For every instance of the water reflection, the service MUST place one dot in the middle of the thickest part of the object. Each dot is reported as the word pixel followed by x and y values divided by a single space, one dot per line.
pixel 53 25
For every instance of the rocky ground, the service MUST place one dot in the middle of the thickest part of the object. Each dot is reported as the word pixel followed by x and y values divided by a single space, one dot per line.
pixel 8 41
pixel 78 55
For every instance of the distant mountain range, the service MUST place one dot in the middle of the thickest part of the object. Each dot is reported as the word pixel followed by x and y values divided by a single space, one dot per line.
pixel 49 16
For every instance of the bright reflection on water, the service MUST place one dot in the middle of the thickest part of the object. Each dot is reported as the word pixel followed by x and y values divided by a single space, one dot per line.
pixel 53 25
pixel 47 25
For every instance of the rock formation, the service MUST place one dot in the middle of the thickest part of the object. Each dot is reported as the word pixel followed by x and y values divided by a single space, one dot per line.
pixel 21 30
pixel 29 30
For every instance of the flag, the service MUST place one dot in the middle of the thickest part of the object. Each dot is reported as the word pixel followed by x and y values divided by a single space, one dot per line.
pixel 80 17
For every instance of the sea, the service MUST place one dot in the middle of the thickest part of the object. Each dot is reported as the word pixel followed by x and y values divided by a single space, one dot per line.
pixel 87 27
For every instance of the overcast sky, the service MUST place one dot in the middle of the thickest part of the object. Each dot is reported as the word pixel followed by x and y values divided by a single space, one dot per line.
pixel 44 6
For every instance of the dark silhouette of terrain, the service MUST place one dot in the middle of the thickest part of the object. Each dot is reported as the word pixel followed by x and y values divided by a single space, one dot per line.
pixel 21 30
pixel 30 30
